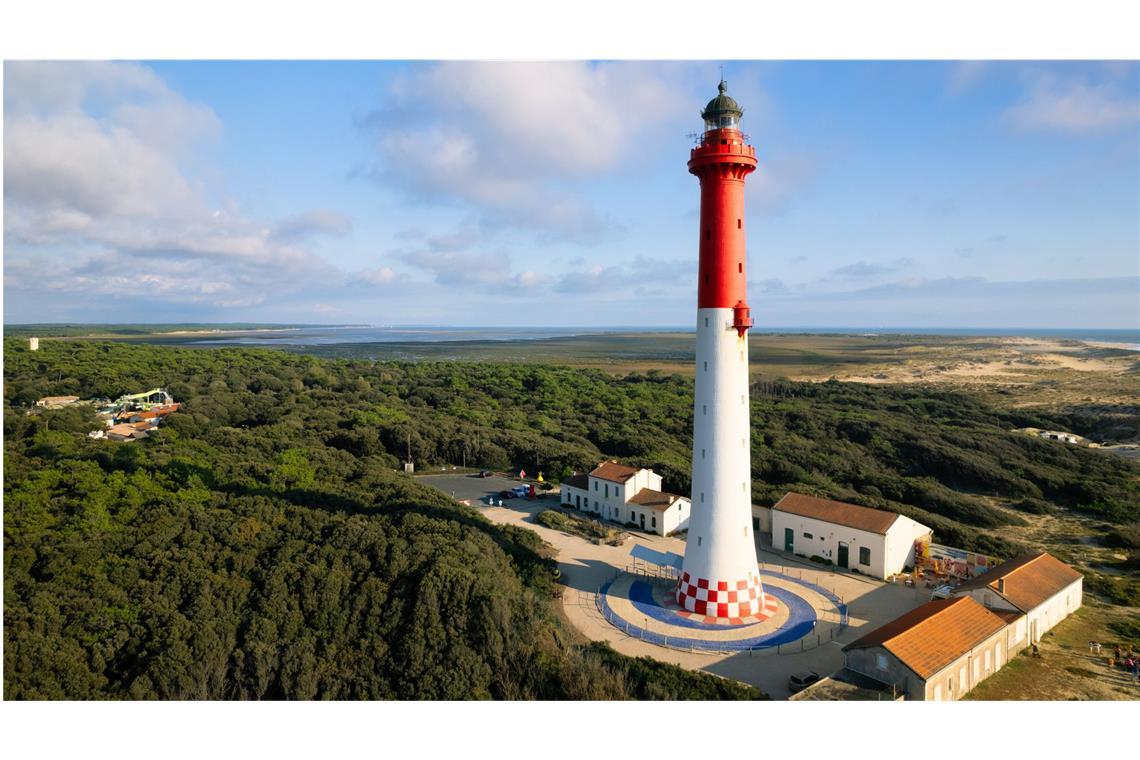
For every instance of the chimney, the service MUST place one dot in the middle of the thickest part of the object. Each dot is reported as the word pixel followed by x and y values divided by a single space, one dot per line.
pixel 1001 585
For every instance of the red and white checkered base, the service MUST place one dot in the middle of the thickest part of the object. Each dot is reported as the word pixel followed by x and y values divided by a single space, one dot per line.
pixel 723 599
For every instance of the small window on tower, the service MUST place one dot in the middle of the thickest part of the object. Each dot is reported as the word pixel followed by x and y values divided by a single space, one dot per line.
pixel 708 233
pixel 740 268
pixel 738 224
pixel 706 366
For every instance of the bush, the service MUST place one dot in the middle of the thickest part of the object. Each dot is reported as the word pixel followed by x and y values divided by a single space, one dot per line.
pixel 1034 506
pixel 1124 537
pixel 1117 590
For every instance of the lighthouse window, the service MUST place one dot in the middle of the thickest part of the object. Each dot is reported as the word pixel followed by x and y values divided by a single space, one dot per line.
pixel 698 540
pixel 740 268
pixel 702 453
pixel 702 497
pixel 704 409
pixel 706 366
pixel 738 224
pixel 706 321
pixel 708 233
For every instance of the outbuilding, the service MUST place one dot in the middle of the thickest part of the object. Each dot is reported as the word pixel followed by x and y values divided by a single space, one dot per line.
pixel 938 651
pixel 872 541
pixel 1038 586
pixel 627 494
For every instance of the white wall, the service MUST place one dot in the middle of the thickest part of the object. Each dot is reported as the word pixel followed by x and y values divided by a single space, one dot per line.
pixel 900 544
pixel 828 548
pixel 1056 608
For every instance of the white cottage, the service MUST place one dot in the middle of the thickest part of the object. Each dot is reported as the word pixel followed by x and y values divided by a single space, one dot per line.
pixel 1039 586
pixel 627 495
pixel 873 541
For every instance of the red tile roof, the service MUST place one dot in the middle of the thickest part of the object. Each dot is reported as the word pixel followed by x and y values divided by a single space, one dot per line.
pixel 578 480
pixel 1029 579
pixel 614 472
pixel 838 512
pixel 930 637
pixel 655 500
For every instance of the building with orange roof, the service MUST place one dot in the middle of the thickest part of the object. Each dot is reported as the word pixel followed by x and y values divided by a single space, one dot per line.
pixel 1038 586
pixel 872 541
pixel 939 651
pixel 627 495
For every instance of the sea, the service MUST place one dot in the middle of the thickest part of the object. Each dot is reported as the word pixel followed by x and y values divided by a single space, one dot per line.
pixel 334 334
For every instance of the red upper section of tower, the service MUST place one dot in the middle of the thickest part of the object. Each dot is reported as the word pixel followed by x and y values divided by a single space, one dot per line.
pixel 721 162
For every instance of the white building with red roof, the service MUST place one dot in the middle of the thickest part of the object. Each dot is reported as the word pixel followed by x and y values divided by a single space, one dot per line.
pixel 626 495
pixel 873 541
pixel 1037 585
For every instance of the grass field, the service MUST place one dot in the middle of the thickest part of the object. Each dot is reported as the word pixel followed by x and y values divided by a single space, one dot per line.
pixel 1066 669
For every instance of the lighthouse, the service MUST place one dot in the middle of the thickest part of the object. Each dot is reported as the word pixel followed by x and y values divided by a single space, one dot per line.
pixel 719 576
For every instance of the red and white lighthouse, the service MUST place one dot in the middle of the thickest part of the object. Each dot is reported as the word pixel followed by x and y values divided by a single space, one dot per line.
pixel 719 576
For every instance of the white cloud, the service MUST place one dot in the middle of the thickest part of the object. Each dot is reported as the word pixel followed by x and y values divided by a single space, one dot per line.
pixel 1074 107
pixel 378 276
pixel 100 191
pixel 509 137
pixel 311 223
pixel 455 268
pixel 861 270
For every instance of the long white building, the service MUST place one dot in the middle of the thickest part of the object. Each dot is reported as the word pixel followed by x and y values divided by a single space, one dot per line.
pixel 873 541
pixel 627 495
pixel 1039 586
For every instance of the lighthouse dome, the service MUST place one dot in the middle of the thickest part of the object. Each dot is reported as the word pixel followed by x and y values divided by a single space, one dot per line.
pixel 722 112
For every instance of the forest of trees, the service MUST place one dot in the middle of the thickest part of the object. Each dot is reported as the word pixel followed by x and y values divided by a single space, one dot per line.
pixel 262 545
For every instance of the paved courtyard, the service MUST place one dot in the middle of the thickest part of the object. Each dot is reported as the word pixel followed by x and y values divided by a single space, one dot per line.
pixel 586 567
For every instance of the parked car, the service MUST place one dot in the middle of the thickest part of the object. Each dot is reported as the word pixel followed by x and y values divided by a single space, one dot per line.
pixel 521 491
pixel 506 494
pixel 801 681
pixel 485 473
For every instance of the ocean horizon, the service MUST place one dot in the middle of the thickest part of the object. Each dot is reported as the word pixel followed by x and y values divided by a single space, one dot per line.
pixel 269 334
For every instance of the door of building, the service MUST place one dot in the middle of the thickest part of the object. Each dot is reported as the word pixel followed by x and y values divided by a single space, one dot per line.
pixel 578 501
pixel 642 520
pixel 789 540
pixel 842 555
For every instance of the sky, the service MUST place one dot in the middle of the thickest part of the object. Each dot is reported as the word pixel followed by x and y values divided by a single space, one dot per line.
pixel 889 194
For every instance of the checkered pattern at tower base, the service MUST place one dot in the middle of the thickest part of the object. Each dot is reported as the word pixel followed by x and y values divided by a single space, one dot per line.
pixel 722 599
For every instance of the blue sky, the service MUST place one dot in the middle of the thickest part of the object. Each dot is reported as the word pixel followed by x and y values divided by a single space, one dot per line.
pixel 925 194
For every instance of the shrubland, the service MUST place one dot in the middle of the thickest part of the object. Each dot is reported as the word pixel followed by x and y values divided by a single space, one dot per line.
pixel 261 544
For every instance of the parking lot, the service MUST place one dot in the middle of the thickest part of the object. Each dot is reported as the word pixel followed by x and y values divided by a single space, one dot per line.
pixel 475 489
pixel 586 566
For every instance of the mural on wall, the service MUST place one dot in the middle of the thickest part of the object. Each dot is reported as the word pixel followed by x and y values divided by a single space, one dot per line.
pixel 946 560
